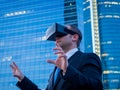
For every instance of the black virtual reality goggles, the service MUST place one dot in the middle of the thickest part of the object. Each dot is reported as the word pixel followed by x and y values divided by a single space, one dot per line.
pixel 57 30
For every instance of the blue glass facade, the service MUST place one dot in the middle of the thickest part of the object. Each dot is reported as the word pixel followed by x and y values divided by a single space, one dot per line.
pixel 109 32
pixel 87 27
pixel 22 37
pixel 73 14
pixel 109 25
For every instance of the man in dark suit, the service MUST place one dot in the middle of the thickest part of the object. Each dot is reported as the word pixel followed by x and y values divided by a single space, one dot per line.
pixel 74 70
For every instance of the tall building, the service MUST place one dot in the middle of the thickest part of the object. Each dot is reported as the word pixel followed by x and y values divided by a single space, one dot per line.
pixel 102 32
pixel 23 24
pixel 91 27
pixel 109 25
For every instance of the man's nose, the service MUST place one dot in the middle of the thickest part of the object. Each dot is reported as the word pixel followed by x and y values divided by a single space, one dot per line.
pixel 56 38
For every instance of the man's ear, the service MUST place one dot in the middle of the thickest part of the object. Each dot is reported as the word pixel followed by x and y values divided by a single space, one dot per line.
pixel 75 37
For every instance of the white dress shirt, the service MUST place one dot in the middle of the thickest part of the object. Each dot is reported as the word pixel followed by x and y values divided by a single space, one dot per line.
pixel 71 52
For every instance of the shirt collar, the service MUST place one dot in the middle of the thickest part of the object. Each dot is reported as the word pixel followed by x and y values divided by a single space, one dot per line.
pixel 71 52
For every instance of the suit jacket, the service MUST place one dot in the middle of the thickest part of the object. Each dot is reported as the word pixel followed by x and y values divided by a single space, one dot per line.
pixel 84 72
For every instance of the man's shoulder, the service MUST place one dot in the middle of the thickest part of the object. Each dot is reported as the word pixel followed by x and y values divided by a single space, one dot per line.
pixel 87 54
pixel 91 58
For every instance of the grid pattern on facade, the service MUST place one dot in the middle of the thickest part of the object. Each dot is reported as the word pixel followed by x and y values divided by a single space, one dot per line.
pixel 22 39
pixel 109 22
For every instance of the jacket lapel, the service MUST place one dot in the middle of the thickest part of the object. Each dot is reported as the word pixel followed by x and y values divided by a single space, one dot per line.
pixel 75 58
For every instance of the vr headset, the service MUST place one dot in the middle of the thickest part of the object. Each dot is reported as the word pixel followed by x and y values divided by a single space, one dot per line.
pixel 57 30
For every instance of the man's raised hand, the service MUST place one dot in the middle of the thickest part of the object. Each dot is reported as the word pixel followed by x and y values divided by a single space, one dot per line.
pixel 16 71
pixel 61 62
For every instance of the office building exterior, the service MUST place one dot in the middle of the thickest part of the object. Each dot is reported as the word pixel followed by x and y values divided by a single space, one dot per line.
pixel 22 37
pixel 102 25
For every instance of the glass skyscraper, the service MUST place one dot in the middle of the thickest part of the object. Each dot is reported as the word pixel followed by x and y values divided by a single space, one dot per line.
pixel 102 32
pixel 91 27
pixel 23 24
pixel 109 25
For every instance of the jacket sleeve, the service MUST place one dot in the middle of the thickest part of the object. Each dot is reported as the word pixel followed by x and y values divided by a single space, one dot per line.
pixel 88 76
pixel 26 84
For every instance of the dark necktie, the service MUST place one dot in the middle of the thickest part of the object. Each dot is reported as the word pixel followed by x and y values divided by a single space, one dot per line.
pixel 56 74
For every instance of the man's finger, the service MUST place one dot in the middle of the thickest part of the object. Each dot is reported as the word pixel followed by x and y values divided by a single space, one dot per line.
pixel 15 65
pixel 51 61
pixel 63 56
pixel 59 52
pixel 12 67
pixel 57 48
